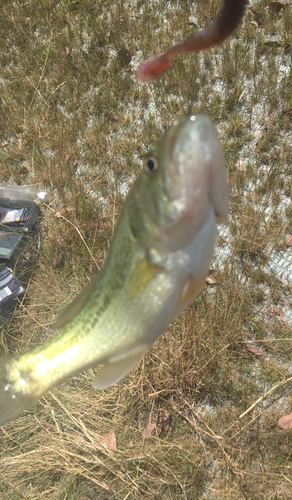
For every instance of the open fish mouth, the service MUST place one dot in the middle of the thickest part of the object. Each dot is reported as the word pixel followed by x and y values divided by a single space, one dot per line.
pixel 194 176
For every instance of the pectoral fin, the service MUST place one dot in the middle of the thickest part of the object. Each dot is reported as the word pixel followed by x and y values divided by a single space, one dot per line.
pixel 113 371
pixel 76 306
pixel 141 275
pixel 191 290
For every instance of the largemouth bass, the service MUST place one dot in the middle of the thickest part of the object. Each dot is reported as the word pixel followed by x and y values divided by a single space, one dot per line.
pixel 156 265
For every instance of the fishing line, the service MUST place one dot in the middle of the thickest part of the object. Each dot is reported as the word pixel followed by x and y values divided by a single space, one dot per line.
pixel 199 82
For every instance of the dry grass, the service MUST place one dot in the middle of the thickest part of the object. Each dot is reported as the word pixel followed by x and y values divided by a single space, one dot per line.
pixel 74 120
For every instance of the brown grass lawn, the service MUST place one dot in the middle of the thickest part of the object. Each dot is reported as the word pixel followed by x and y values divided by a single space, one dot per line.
pixel 75 121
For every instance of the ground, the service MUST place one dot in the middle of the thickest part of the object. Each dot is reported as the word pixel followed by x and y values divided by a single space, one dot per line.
pixel 197 418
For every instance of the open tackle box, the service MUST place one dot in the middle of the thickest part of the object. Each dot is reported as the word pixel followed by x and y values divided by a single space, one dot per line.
pixel 19 248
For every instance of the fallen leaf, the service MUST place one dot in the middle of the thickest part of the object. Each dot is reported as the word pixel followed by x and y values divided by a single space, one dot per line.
pixel 57 260
pixel 253 349
pixel 278 311
pixel 287 111
pixel 289 240
pixel 4 143
pixel 20 141
pixel 285 422
pixel 239 165
pixel 262 132
pixel 23 171
pixel 213 276
pixel 277 5
pixel 163 422
pixel 67 51
pixel 211 280
pixel 125 56
pixel 110 441
pixel 284 449
pixel 101 472
pixel 149 431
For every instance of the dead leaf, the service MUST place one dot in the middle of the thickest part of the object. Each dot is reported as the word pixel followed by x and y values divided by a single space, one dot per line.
pixel 284 449
pixel 278 311
pixel 289 240
pixel 110 441
pixel 4 143
pixel 211 280
pixel 20 141
pixel 23 171
pixel 213 276
pixel 57 260
pixel 287 112
pixel 277 5
pixel 239 165
pixel 253 349
pixel 285 422
pixel 60 213
pixel 163 423
pixel 67 51
pixel 101 472
pixel 149 431
pixel 125 56
pixel 262 132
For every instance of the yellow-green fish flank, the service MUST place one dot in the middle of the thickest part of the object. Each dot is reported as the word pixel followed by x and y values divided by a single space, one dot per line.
pixel 156 264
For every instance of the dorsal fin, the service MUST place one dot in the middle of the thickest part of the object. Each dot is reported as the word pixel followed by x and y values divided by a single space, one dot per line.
pixel 76 305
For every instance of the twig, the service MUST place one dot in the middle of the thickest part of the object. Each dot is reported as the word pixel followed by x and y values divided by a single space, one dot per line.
pixel 267 340
pixel 213 435
pixel 244 427
pixel 209 360
pixel 27 311
pixel 71 223
pixel 264 395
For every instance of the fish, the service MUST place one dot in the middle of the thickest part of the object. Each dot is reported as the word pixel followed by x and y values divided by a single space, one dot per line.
pixel 227 21
pixel 157 262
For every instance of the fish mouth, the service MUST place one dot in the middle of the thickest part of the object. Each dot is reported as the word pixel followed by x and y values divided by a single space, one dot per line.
pixel 187 151
pixel 173 137
pixel 172 174
pixel 192 155
pixel 194 175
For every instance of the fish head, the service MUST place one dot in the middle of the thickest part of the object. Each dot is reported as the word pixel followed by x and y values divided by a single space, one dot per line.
pixel 183 178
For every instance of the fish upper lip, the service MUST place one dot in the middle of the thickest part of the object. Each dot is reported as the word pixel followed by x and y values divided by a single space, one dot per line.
pixel 171 175
pixel 173 137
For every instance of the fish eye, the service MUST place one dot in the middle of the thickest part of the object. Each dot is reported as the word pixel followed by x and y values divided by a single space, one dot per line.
pixel 150 164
